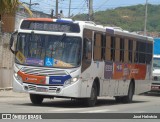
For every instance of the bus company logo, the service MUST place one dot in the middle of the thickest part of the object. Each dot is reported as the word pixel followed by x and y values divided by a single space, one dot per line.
pixel 31 79
pixel 55 80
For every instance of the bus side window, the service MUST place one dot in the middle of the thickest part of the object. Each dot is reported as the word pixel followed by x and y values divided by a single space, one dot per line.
pixel 136 58
pixel 87 52
pixel 130 46
pixel 149 51
pixel 87 49
pixel 121 50
pixel 98 39
pixel 134 51
pixel 113 43
pixel 117 51
pixel 126 51
pixel 108 48
pixel 103 40
pixel 142 48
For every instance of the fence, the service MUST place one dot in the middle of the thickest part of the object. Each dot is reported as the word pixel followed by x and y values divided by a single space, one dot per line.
pixel 6 62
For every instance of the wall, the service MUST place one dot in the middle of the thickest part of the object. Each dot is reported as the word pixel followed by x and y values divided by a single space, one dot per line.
pixel 10 23
pixel 6 62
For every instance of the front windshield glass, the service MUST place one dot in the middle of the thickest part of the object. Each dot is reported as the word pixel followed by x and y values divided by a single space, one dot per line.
pixel 156 62
pixel 48 50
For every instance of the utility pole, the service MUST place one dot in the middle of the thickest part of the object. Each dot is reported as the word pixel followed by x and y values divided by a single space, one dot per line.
pixel 69 13
pixel 57 8
pixel 30 4
pixel 90 10
pixel 145 20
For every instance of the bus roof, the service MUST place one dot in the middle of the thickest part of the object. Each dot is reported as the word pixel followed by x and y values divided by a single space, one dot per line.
pixel 49 19
pixel 121 32
pixel 91 25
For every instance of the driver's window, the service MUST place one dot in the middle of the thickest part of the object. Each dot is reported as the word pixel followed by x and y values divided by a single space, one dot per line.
pixel 87 49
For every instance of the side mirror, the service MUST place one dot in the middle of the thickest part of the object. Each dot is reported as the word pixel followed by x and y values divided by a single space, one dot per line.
pixel 11 42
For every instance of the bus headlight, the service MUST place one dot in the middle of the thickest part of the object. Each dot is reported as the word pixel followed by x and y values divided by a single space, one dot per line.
pixel 74 79
pixel 70 81
pixel 18 78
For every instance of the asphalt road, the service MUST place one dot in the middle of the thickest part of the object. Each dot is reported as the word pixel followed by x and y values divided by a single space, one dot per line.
pixel 11 102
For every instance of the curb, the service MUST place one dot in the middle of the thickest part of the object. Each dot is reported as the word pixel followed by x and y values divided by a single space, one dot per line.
pixel 6 89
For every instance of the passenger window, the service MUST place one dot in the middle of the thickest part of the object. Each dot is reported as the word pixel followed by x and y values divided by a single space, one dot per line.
pixel 108 48
pixel 126 51
pixel 113 43
pixel 98 39
pixel 130 45
pixel 121 50
pixel 117 49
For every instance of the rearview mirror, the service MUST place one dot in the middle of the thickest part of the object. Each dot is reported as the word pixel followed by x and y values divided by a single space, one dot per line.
pixel 11 42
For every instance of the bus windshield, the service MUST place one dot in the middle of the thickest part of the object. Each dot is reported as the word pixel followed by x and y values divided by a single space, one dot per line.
pixel 48 50
pixel 156 62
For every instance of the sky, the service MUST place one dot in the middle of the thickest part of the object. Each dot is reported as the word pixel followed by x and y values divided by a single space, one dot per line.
pixel 81 6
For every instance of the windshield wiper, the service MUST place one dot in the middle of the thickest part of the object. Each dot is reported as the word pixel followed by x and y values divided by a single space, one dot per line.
pixel 59 42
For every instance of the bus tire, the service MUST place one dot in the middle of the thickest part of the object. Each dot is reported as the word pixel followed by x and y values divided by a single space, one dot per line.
pixel 129 97
pixel 36 99
pixel 90 102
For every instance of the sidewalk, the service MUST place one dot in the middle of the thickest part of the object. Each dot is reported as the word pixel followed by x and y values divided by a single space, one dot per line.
pixel 10 93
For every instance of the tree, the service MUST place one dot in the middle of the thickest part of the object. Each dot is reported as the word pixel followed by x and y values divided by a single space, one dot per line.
pixel 10 6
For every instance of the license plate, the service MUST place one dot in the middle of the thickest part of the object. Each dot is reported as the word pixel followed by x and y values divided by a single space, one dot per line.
pixel 41 89
pixel 155 87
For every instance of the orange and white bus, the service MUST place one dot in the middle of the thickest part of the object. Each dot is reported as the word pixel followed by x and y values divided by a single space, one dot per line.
pixel 80 60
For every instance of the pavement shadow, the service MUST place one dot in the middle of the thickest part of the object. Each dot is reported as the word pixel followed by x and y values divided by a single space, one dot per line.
pixel 154 94
pixel 76 103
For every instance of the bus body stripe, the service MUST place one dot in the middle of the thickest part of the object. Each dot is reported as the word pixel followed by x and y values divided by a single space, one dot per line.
pixel 27 78
pixel 40 19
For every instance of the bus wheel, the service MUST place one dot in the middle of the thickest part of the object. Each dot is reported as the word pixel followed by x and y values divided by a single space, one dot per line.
pixel 36 99
pixel 90 102
pixel 129 97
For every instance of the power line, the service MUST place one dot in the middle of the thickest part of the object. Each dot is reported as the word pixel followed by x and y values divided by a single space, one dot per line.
pixel 82 4
pixel 102 5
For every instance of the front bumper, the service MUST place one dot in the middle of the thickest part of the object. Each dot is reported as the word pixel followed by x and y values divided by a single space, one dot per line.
pixel 72 90
pixel 155 87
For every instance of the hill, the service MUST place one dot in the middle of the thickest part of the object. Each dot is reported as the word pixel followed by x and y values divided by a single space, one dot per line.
pixel 129 18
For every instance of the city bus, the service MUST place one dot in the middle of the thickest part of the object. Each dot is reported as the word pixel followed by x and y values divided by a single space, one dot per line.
pixel 79 60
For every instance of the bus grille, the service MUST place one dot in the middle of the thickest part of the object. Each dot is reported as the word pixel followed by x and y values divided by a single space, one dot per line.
pixel 43 71
pixel 34 88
